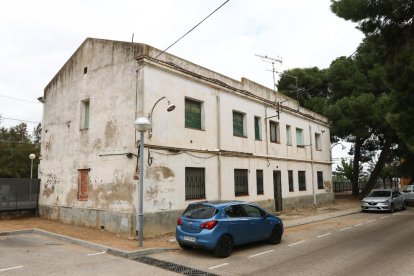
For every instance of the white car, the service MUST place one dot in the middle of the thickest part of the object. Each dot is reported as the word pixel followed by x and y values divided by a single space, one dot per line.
pixel 408 194
pixel 383 200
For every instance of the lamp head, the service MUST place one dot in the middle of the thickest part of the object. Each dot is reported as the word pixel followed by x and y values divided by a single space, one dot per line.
pixel 171 106
pixel 142 124
pixel 32 156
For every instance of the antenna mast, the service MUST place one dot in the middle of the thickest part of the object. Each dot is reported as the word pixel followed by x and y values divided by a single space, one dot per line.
pixel 271 60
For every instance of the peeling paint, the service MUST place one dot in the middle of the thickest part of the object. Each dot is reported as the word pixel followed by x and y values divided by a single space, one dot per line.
pixel 327 186
pixel 97 144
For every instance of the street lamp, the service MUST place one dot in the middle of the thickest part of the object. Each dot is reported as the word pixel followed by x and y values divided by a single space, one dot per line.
pixel 31 156
pixel 170 107
pixel 335 144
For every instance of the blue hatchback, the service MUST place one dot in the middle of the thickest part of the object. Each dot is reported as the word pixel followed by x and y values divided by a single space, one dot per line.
pixel 219 225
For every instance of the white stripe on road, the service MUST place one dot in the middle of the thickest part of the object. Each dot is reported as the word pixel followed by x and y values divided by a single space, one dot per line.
pixel 324 235
pixel 99 253
pixel 217 266
pixel 261 253
pixel 383 217
pixel 371 220
pixel 359 224
pixel 296 243
pixel 11 268
pixel 346 228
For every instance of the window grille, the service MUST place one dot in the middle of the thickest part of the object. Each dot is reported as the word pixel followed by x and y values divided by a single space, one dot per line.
pixel 302 180
pixel 241 187
pixel 195 183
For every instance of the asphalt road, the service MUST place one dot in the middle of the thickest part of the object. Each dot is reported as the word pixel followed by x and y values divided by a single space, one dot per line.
pixel 359 244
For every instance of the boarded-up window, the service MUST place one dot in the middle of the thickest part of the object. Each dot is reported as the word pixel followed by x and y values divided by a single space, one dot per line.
pixel 302 180
pixel 274 132
pixel 238 124
pixel 257 132
pixel 83 181
pixel 85 114
pixel 241 187
pixel 195 183
pixel 192 114
pixel 320 180
pixel 259 182
pixel 290 177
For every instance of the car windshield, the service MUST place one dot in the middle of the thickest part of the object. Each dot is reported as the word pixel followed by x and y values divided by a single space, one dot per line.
pixel 199 211
pixel 380 194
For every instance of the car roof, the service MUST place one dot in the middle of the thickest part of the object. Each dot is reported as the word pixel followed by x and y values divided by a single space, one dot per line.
pixel 220 203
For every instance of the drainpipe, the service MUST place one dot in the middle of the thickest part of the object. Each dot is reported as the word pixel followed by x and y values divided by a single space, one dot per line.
pixel 218 146
pixel 313 173
pixel 267 142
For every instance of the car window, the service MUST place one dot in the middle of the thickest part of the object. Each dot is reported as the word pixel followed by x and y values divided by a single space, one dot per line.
pixel 380 194
pixel 252 211
pixel 199 211
pixel 235 211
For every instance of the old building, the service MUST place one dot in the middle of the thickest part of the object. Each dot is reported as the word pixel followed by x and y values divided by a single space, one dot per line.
pixel 226 139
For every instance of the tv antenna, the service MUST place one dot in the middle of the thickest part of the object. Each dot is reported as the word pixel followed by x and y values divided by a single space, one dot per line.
pixel 271 60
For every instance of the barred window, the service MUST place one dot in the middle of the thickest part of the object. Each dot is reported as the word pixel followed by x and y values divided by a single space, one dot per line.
pixel 195 183
pixel 238 124
pixel 320 180
pixel 241 187
pixel 259 182
pixel 290 177
pixel 302 180
pixel 192 114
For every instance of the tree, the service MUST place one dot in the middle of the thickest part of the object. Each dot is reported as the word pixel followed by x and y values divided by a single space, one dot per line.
pixel 345 169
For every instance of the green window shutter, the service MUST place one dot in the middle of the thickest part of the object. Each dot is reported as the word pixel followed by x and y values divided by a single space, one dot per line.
pixel 299 137
pixel 257 128
pixel 192 114
pixel 238 124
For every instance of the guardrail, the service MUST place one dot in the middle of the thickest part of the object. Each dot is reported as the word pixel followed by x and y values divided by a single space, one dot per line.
pixel 19 194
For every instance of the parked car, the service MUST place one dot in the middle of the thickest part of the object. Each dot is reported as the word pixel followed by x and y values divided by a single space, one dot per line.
pixel 220 225
pixel 408 194
pixel 383 200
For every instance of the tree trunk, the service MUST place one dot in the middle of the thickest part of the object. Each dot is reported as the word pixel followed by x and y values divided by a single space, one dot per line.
pixel 386 149
pixel 355 166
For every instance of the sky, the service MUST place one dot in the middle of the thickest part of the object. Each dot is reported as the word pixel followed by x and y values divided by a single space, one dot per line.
pixel 38 37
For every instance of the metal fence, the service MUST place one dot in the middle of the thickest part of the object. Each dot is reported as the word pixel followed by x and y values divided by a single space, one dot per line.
pixel 347 186
pixel 18 193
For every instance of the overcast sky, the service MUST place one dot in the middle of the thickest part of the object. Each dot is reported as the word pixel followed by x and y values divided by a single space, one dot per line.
pixel 38 37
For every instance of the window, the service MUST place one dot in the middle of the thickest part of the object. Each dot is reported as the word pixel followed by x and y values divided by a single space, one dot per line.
pixel 235 211
pixel 302 180
pixel 238 124
pixel 83 181
pixel 320 180
pixel 194 183
pixel 241 187
pixel 193 111
pixel 85 114
pixel 257 128
pixel 288 135
pixel 299 137
pixel 318 145
pixel 252 211
pixel 259 181
pixel 290 177
pixel 274 132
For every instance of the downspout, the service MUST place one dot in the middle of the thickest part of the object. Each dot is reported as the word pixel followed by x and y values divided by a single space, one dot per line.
pixel 313 173
pixel 267 142
pixel 218 146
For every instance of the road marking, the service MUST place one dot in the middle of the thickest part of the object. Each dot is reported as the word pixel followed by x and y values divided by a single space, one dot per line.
pixel 217 266
pixel 261 253
pixel 11 268
pixel 359 224
pixel 371 220
pixel 296 243
pixel 383 217
pixel 346 228
pixel 99 253
pixel 324 235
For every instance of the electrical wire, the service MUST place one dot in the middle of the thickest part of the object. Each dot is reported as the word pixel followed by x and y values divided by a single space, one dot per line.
pixel 19 99
pixel 13 119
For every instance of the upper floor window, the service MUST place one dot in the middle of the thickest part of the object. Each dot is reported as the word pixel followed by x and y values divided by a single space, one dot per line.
pixel 288 135
pixel 239 124
pixel 318 143
pixel 257 128
pixel 299 137
pixel 193 114
pixel 274 132
pixel 85 114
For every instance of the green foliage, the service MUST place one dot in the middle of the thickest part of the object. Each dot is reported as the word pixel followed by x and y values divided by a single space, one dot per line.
pixel 15 146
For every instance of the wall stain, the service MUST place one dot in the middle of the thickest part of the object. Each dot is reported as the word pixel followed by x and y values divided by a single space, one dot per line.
pixel 97 144
pixel 71 197
pixel 160 173
pixel 110 133
pixel 50 184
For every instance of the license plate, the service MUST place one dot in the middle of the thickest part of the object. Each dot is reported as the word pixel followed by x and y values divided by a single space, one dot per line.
pixel 190 239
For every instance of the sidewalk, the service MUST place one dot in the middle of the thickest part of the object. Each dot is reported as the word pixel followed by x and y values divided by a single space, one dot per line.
pixel 105 241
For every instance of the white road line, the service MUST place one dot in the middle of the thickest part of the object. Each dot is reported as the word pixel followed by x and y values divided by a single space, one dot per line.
pixel 324 235
pixel 296 243
pixel 371 220
pixel 346 228
pixel 359 224
pixel 383 217
pixel 11 268
pixel 99 253
pixel 261 253
pixel 217 266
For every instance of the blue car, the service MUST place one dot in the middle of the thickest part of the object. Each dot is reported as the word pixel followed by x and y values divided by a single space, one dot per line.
pixel 220 225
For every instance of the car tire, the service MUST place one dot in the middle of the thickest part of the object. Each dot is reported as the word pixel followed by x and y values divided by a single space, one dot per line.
pixel 392 208
pixel 404 206
pixel 185 246
pixel 224 246
pixel 276 235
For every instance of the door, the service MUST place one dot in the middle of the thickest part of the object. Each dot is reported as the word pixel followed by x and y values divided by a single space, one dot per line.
pixel 277 189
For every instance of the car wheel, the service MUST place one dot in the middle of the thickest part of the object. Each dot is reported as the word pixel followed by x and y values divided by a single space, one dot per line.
pixel 392 208
pixel 276 235
pixel 404 206
pixel 223 247
pixel 185 246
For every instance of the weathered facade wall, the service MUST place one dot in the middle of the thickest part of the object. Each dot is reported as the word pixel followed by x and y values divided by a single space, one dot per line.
pixel 107 149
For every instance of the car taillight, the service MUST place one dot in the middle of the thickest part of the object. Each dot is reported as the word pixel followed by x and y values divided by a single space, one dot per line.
pixel 179 221
pixel 209 224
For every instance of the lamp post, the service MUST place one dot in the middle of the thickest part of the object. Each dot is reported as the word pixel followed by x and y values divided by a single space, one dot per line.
pixel 170 107
pixel 32 156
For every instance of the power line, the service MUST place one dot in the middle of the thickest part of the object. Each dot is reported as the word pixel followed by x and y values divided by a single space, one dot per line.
pixel 19 99
pixel 13 119
pixel 16 142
